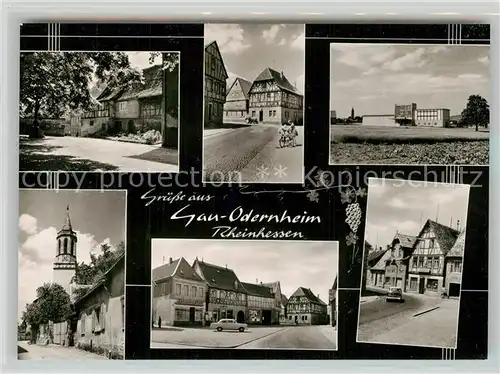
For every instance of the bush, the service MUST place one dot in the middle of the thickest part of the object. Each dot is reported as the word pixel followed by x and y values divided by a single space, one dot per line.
pixel 151 124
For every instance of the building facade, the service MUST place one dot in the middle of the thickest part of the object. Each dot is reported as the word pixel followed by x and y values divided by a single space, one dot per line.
pixel 215 85
pixel 405 114
pixel 280 300
pixel 179 295
pixel 274 100
pixel 305 308
pixel 261 304
pixel 226 297
pixel 453 267
pixel 237 99
pixel 100 314
pixel 396 269
pixel 139 108
pixel 432 117
pixel 427 264
pixel 332 303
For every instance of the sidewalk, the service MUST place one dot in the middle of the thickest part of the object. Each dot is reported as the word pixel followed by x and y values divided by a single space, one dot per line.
pixel 53 352
pixel 437 328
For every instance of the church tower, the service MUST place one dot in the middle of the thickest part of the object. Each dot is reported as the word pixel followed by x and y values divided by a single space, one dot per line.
pixel 65 261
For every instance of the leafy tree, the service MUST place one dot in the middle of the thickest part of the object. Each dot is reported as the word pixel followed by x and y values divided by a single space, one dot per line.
pixel 477 112
pixel 52 304
pixel 99 264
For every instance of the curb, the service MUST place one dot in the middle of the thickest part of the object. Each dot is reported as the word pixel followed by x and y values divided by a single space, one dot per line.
pixel 425 311
pixel 222 347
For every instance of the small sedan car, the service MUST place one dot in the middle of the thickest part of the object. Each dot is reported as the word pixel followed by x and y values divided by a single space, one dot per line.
pixel 395 294
pixel 228 324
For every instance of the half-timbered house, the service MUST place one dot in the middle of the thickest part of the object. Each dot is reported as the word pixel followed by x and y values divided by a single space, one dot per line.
pixel 236 106
pixel 178 294
pixel 453 266
pixel 427 263
pixel 226 296
pixel 273 99
pixel 261 304
pixel 215 85
pixel 279 303
pixel 396 268
pixel 376 264
pixel 305 308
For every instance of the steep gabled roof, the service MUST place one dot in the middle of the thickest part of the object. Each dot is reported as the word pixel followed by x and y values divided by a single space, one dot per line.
pixel 213 42
pixel 458 248
pixel 244 84
pixel 258 290
pixel 219 277
pixel 165 271
pixel 381 263
pixel 302 291
pixel 279 78
pixel 374 256
pixel 406 241
pixel 445 236
pixel 284 299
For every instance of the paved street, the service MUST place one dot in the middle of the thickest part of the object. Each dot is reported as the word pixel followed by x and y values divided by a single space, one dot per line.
pixel 251 153
pixel 53 352
pixel 297 337
pixel 90 154
pixel 396 323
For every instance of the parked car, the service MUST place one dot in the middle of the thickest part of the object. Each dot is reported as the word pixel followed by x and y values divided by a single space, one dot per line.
pixel 228 324
pixel 395 294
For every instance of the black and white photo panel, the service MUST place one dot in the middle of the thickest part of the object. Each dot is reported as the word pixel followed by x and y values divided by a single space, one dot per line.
pixel 413 263
pixel 243 294
pixel 71 293
pixel 406 104
pixel 99 111
pixel 254 103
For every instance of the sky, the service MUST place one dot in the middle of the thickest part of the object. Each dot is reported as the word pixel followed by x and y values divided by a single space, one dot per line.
pixel 404 206
pixel 295 264
pixel 97 217
pixel 140 60
pixel 372 78
pixel 248 49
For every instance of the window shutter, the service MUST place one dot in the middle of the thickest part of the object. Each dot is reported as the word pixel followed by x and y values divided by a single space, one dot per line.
pixel 102 320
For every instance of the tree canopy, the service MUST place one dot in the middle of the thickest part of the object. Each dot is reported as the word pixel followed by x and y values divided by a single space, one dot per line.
pixel 52 304
pixel 89 274
pixel 53 83
pixel 477 112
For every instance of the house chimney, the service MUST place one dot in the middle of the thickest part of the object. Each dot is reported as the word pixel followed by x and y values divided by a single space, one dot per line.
pixel 163 260
pixel 256 280
pixel 226 266
pixel 282 75
pixel 170 260
pixel 458 225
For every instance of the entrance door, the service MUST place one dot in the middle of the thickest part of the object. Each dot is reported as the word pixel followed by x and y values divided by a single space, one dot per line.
pixel 240 317
pixel 209 112
pixel 454 290
pixel 191 314
pixel 261 116
pixel 421 285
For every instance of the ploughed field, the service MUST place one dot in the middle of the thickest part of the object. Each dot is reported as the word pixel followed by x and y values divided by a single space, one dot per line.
pixel 408 145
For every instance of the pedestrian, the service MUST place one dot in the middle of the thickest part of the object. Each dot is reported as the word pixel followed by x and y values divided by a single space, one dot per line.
pixel 159 322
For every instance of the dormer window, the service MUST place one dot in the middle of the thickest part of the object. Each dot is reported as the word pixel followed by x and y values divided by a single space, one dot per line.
pixel 235 284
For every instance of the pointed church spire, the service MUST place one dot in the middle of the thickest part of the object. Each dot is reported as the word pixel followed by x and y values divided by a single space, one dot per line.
pixel 67 223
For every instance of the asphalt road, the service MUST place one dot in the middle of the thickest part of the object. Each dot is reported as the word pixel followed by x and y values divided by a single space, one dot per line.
pixel 298 337
pixel 303 337
pixel 251 154
pixel 380 308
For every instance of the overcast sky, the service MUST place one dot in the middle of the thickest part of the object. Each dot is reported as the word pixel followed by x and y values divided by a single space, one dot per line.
pixel 97 217
pixel 295 264
pixel 372 78
pixel 140 60
pixel 395 204
pixel 247 49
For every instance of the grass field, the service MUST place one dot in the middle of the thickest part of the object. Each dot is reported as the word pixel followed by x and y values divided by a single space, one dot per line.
pixel 408 145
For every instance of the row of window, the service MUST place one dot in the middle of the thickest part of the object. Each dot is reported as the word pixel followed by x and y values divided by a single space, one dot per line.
pixel 456 266
pixel 432 262
pixel 188 315
pixel 216 87
pixel 235 113
pixel 188 291
pixel 227 294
